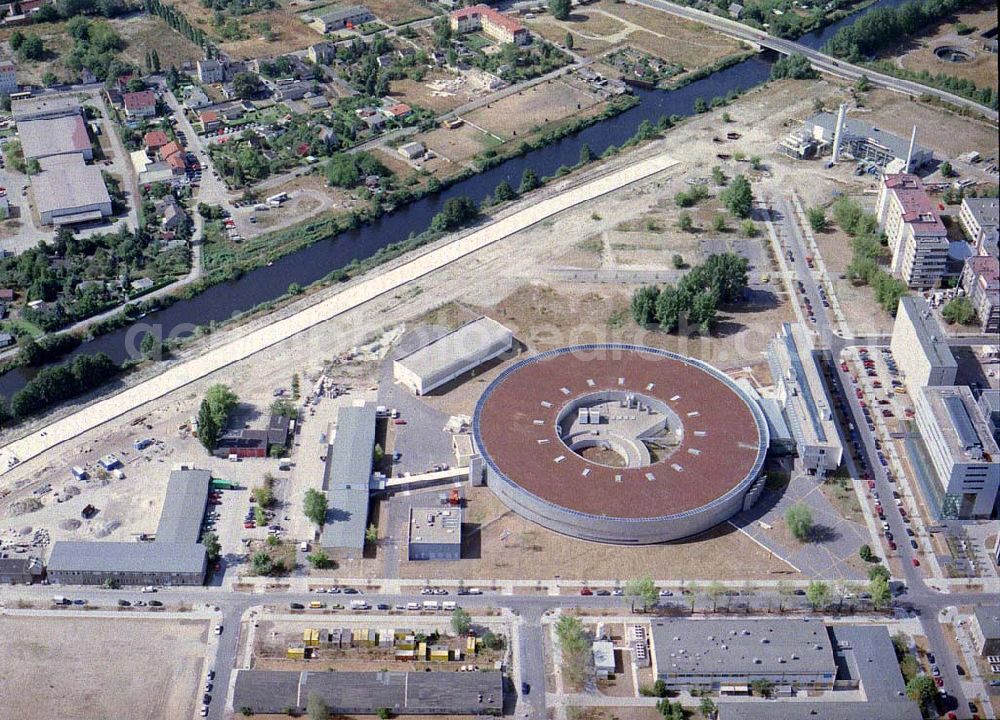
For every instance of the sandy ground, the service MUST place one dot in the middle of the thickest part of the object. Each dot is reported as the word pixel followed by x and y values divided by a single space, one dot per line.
pixel 72 664
pixel 918 53
pixel 530 551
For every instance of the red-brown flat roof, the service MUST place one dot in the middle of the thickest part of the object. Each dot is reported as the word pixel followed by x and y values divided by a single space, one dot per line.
pixel 723 456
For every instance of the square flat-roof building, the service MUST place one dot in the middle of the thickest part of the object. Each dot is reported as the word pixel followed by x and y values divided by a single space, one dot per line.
pixel 916 235
pixel 962 450
pixel 803 396
pixel 68 191
pixel 452 355
pixel 716 653
pixel 986 629
pixel 55 136
pixel 174 558
pixel 402 693
pixel 435 533
pixel 919 346
pixel 980 219
pixel 981 282
pixel 346 481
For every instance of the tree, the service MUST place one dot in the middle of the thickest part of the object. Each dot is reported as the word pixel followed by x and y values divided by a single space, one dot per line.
pixel 707 707
pixel 569 41
pixel 794 67
pixel 642 589
pixel 319 560
pixel 818 593
pixel 457 211
pixel 261 563
pixel 371 533
pixel 866 553
pixel 151 347
pixel 878 588
pixel 383 713
pixel 213 548
pixel 670 710
pixel 684 222
pixel 16 40
pixel 529 181
pixel 677 260
pixel 342 171
pixel 960 310
pixel 31 48
pixel 264 495
pixel 245 85
pixel 863 84
pixel 700 105
pixel 762 687
pixel 272 540
pixel 715 590
pixel 49 79
pixel 718 177
pixel 817 218
pixel 461 621
pixel 738 197
pixel 314 506
pixel 208 426
pixel 643 304
pixel 946 169
pixel 922 690
pixel 799 520
pixel 259 516
pixel 560 9
pixel 586 155
pixel 574 647
pixel 879 571
pixel 504 192
pixel 316 707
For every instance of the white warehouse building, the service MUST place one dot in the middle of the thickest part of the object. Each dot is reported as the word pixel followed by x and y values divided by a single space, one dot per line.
pixel 962 450
pixel 450 356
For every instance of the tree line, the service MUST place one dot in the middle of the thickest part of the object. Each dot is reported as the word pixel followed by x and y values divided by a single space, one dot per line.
pixel 53 385
pixel 886 27
pixel 867 246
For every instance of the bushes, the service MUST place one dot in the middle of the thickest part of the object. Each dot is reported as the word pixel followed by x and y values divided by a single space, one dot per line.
pixel 54 385
pixel 794 67
pixel 867 249
pixel 691 197
pixel 960 310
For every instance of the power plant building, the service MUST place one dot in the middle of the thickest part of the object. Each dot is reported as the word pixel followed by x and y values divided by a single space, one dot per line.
pixel 919 346
pixel 804 399
pixel 452 355
pixel 866 143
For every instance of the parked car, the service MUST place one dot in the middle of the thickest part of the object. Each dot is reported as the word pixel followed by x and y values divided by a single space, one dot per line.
pixel 586 591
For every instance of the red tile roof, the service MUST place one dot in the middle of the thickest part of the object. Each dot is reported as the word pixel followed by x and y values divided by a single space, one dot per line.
pixel 399 109
pixel 987 267
pixel 155 139
pixel 495 16
pixel 209 116
pixel 171 148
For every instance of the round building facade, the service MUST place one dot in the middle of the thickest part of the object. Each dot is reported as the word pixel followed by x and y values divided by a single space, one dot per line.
pixel 620 443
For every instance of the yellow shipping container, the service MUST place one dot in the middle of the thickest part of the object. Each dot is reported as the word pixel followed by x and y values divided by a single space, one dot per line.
pixel 296 652
pixel 470 645
pixel 422 651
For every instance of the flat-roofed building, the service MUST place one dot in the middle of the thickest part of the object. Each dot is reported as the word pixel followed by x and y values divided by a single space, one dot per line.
pixel 70 192
pixel 46 106
pixel 604 658
pixel 919 346
pixel 452 355
pixel 980 219
pixel 917 237
pixel 986 629
pixel 989 406
pixel 364 693
pixel 981 282
pixel 174 558
pixel 733 653
pixel 341 18
pixel 803 397
pixel 961 447
pixel 55 136
pixel 346 480
pixel 21 570
pixel 435 533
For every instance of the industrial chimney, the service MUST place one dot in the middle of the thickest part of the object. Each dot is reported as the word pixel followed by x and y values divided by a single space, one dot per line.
pixel 839 131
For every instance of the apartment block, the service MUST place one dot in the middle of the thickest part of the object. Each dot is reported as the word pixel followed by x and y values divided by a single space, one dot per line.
pixel 916 235
pixel 981 282
pixel 919 346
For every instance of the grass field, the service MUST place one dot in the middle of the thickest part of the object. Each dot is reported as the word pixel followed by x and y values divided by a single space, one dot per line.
pixel 90 668
pixel 519 115
pixel 147 32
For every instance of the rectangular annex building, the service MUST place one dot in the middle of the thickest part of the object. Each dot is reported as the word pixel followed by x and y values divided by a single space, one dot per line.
pixel 346 481
pixel 174 558
pixel 402 693
pixel 732 653
pixel 435 533
pixel 453 354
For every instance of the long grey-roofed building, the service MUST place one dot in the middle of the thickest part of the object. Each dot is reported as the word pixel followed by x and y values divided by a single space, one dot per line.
pixel 403 693
pixel 726 653
pixel 920 345
pixel 449 356
pixel 46 106
pixel 174 558
pixel 346 481
pixel 866 662
pixel 55 136
pixel 68 191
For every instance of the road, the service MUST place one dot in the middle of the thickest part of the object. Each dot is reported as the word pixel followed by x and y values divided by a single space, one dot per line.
pixel 819 60
pixel 925 601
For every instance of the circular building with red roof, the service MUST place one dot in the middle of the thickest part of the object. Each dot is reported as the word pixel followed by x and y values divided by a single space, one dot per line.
pixel 620 443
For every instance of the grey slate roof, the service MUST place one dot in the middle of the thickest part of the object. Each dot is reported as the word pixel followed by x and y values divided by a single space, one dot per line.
pixel 815 710
pixel 929 333
pixel 346 477
pixel 898 146
pixel 183 506
pixel 364 692
pixel 988 617
pixel 126 557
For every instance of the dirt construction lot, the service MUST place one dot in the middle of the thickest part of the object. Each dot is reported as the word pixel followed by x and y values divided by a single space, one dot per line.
pixel 541 104
pixel 95 668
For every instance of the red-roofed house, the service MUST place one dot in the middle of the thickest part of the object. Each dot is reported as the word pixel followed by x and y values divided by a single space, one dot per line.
pixel 154 140
pixel 173 155
pixel 916 235
pixel 399 110
pixel 492 22
pixel 209 120
pixel 981 281
pixel 140 104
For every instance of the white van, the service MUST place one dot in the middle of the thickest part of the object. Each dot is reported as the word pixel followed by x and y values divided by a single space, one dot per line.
pixel 474 591
pixel 412 606
pixel 430 605
pixel 448 605
pixel 359 605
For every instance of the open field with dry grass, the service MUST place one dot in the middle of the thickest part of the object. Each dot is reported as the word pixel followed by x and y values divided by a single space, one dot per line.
pixel 290 34
pixel 458 145
pixel 533 552
pixel 144 33
pixel 521 114
pixel 918 52
pixel 91 668
pixel 423 93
